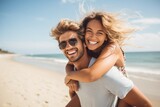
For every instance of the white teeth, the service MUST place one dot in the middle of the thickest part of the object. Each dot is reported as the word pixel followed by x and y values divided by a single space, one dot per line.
pixel 71 52
pixel 92 43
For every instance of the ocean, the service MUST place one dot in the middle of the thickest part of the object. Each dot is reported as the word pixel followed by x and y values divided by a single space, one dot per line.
pixel 144 62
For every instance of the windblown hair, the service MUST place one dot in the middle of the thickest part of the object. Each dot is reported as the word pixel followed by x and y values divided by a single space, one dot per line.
pixel 66 25
pixel 113 27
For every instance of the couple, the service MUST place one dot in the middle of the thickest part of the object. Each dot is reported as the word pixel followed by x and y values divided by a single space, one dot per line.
pixel 94 63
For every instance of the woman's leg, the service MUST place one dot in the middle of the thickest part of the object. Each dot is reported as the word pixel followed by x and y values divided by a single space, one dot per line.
pixel 122 103
pixel 74 102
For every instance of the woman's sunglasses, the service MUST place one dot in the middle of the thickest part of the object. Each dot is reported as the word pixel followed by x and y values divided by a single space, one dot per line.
pixel 72 42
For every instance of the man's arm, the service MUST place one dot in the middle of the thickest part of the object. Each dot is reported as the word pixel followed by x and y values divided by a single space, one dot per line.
pixel 69 68
pixel 72 84
pixel 75 102
pixel 72 93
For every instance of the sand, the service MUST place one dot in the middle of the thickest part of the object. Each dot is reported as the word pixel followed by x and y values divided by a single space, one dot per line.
pixel 26 85
pixel 23 85
pixel 149 86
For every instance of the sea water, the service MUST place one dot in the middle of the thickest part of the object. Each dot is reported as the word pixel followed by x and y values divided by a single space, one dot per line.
pixel 146 62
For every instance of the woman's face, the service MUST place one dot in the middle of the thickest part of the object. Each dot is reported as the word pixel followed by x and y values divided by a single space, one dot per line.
pixel 94 36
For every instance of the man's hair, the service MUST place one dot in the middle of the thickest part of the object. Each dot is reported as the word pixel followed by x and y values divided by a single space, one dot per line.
pixel 64 26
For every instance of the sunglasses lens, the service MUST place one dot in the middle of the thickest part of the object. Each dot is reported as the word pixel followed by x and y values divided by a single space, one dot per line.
pixel 62 45
pixel 72 41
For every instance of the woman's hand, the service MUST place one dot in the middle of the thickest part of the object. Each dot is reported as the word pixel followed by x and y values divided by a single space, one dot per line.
pixel 72 84
pixel 66 80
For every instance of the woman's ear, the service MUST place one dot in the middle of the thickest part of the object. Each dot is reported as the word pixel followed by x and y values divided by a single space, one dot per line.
pixel 106 39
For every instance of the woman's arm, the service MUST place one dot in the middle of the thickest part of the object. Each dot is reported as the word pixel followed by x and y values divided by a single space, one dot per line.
pixel 72 93
pixel 103 64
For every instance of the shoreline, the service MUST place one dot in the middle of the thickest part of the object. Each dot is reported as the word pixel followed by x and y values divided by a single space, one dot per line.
pixel 25 84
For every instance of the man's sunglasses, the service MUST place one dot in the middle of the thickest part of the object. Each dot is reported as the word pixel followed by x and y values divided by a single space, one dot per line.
pixel 72 42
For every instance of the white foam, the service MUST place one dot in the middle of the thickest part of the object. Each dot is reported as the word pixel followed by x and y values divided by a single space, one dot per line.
pixel 143 70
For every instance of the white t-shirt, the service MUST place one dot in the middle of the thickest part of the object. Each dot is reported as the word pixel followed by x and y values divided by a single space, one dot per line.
pixel 103 92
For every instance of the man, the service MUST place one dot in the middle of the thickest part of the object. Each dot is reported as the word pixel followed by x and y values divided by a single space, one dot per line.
pixel 103 92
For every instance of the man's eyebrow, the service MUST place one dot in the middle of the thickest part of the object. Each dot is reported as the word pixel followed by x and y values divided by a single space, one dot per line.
pixel 72 35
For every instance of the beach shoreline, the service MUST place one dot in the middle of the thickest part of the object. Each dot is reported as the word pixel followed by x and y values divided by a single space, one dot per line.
pixel 29 85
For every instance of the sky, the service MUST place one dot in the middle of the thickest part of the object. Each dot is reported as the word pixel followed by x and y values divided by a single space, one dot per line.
pixel 25 25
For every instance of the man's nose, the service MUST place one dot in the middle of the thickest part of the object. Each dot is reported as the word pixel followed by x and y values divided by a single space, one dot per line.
pixel 68 46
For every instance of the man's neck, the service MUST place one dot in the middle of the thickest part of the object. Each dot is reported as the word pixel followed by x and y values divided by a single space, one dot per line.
pixel 83 62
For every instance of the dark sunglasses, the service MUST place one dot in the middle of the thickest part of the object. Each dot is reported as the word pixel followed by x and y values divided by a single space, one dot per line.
pixel 72 42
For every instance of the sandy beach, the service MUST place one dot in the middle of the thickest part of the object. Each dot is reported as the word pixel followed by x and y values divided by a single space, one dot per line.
pixel 26 85
pixel 150 87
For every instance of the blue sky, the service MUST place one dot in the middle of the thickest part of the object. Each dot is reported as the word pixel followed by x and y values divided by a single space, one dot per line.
pixel 25 24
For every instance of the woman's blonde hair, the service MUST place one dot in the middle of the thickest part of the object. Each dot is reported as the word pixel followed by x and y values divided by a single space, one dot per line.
pixel 113 27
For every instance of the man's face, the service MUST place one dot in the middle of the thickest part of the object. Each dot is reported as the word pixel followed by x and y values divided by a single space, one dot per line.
pixel 71 46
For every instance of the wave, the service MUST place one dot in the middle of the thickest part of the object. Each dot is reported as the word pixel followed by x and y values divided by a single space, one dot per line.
pixel 45 59
pixel 143 70
pixel 54 60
